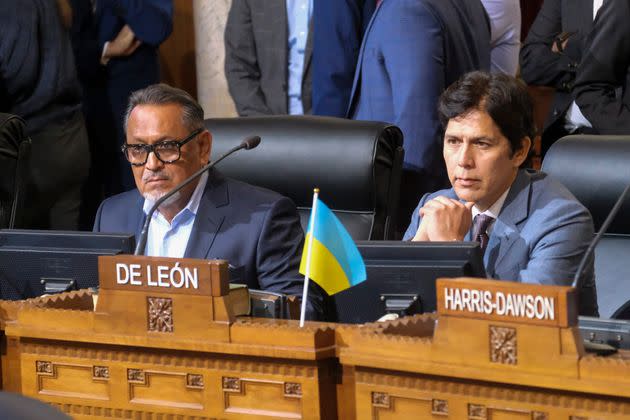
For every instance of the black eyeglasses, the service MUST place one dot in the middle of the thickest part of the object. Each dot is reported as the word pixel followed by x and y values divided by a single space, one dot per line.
pixel 167 151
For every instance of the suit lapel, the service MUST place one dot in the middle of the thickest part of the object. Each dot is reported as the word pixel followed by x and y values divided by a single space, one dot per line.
pixel 356 84
pixel 586 15
pixel 505 231
pixel 208 221
pixel 138 218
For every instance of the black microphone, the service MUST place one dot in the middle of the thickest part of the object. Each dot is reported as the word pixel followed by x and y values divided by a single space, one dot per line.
pixel 247 144
pixel 577 280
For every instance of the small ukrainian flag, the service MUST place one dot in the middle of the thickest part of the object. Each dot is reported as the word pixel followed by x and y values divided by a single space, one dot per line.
pixel 330 256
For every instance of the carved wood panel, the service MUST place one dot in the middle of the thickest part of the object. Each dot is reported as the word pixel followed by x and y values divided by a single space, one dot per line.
pixel 503 345
pixel 160 314
pixel 158 381
pixel 71 380
pixel 260 397
pixel 392 396
pixel 166 388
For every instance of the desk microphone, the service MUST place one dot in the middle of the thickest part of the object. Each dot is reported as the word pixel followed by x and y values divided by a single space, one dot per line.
pixel 577 280
pixel 247 144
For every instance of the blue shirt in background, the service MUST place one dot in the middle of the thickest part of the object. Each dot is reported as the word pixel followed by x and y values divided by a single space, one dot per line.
pixel 299 17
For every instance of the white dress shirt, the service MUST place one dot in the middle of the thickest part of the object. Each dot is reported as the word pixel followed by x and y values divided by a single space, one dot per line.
pixel 492 211
pixel 170 239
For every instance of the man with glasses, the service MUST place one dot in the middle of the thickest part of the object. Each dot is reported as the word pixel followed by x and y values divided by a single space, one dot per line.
pixel 256 230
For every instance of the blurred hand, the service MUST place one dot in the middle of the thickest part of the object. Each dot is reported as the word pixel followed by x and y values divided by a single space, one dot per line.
pixel 123 45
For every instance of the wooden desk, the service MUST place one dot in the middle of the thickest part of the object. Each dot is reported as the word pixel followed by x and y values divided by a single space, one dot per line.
pixel 140 354
pixel 111 362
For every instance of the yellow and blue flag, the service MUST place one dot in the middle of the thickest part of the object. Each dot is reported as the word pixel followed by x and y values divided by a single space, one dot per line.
pixel 335 261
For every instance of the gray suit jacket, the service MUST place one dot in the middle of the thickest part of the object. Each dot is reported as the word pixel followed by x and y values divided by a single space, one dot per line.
pixel 256 58
pixel 257 230
pixel 539 237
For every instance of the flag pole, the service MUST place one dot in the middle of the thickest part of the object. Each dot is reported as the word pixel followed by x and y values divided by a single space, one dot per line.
pixel 307 271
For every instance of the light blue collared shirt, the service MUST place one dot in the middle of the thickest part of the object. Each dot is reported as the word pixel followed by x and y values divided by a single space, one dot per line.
pixel 299 17
pixel 170 239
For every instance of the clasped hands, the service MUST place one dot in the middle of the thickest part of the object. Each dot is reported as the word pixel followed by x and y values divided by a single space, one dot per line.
pixel 123 45
pixel 444 219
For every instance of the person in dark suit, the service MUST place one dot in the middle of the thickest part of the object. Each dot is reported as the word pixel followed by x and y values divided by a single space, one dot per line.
pixel 96 110
pixel 412 50
pixel 602 84
pixel 268 56
pixel 550 56
pixel 338 27
pixel 530 227
pixel 38 82
pixel 258 231
pixel 129 34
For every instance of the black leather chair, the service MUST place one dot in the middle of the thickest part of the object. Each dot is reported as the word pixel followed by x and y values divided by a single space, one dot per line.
pixel 15 149
pixel 355 164
pixel 596 169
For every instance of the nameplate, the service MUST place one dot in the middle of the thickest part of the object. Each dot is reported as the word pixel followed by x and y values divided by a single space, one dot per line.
pixel 163 275
pixel 507 301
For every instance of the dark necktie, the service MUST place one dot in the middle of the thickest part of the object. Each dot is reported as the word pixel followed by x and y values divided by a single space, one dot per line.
pixel 480 226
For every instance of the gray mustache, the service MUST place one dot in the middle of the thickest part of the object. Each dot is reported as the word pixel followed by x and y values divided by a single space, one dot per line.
pixel 154 176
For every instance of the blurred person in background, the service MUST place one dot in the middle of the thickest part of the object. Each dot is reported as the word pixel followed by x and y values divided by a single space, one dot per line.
pixel 38 82
pixel 268 47
pixel 129 33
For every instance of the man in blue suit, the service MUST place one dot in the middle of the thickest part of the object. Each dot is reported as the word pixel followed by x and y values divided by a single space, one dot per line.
pixel 129 34
pixel 256 230
pixel 412 50
pixel 530 227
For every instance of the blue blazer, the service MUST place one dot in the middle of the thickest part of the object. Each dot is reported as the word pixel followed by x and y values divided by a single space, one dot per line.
pixel 539 237
pixel 338 27
pixel 256 230
pixel 412 50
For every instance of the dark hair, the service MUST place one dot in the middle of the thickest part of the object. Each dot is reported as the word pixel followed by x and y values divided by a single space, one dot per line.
pixel 162 94
pixel 503 97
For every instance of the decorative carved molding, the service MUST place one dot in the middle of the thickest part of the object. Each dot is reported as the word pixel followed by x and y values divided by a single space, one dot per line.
pixel 162 358
pixel 136 376
pixel 551 399
pixel 477 412
pixel 100 372
pixel 160 314
pixel 293 390
pixel 231 384
pixel 439 407
pixel 539 415
pixel 503 348
pixel 108 412
pixel 44 368
pixel 381 399
pixel 194 381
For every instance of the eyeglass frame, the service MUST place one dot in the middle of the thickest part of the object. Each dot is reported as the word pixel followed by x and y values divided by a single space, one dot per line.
pixel 150 148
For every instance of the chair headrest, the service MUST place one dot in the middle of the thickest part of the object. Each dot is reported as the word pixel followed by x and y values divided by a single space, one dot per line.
pixel 596 169
pixel 298 153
